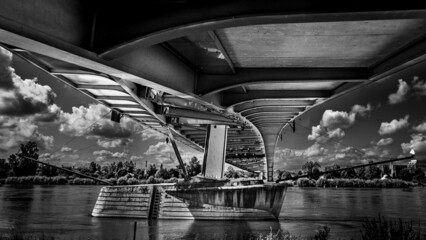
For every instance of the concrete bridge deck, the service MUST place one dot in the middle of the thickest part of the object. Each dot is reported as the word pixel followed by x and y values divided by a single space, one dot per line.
pixel 184 65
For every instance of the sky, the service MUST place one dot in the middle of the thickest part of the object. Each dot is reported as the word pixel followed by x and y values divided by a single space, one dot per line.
pixel 383 120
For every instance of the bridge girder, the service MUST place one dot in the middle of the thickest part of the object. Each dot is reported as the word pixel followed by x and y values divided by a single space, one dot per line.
pixel 195 57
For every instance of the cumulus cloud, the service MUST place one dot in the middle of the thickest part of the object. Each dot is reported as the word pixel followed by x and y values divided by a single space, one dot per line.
pixel 14 131
pixel 384 141
pixel 361 110
pixel 163 153
pixel 113 143
pixel 393 126
pixel 419 86
pixel 24 97
pixel 136 158
pixel 315 150
pixel 417 142
pixel 149 133
pixel 67 150
pixel 401 94
pixel 420 128
pixel 104 155
pixel 94 123
pixel 333 122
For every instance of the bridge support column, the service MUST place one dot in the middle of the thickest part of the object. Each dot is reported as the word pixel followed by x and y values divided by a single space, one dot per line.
pixel 215 151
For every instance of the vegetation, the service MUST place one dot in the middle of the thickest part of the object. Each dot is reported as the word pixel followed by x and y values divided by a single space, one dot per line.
pixel 19 170
pixel 361 177
pixel 232 173
pixel 382 228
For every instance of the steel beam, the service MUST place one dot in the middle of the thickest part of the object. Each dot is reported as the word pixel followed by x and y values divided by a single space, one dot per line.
pixel 235 98
pixel 186 113
pixel 209 84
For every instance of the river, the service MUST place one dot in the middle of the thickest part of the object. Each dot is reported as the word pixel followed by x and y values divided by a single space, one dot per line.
pixel 64 212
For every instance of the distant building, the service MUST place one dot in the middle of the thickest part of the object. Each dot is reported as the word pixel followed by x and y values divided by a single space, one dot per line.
pixel 396 168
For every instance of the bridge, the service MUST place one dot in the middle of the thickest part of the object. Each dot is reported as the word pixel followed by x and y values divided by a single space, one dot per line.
pixel 224 77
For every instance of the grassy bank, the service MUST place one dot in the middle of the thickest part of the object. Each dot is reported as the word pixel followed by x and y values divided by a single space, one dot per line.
pixel 354 183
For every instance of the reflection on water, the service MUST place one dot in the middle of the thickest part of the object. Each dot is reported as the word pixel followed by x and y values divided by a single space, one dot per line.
pixel 64 211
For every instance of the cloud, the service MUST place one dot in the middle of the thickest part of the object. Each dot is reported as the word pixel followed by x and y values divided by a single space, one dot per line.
pixel 113 143
pixel 420 128
pixel 333 122
pixel 161 153
pixel 417 142
pixel 66 150
pixel 14 131
pixel 136 158
pixel 315 150
pixel 6 71
pixel 105 153
pixel 393 126
pixel 149 133
pixel 361 110
pixel 337 119
pixel 419 86
pixel 93 122
pixel 384 141
pixel 401 93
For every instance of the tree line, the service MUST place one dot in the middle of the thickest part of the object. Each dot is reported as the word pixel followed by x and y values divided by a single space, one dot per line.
pixel 18 166
pixel 410 173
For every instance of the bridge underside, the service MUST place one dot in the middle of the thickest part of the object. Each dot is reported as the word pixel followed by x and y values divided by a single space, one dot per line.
pixel 184 65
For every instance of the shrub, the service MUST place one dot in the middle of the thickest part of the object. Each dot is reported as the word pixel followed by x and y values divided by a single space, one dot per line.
pixel 11 180
pixel 381 228
pixel 150 180
pixel 143 181
pixel 132 181
pixel 112 181
pixel 59 180
pixel 305 182
pixel 159 180
pixel 41 180
pixel 122 181
pixel 171 180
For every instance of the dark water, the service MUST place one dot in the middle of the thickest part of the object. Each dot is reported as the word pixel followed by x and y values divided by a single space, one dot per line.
pixel 64 212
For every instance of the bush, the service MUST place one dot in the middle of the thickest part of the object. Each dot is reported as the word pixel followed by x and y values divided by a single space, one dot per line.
pixel 59 180
pixel 132 181
pixel 151 180
pixel 112 181
pixel 122 181
pixel 143 181
pixel 305 182
pixel 356 182
pixel 171 180
pixel 384 229
pixel 12 180
pixel 41 180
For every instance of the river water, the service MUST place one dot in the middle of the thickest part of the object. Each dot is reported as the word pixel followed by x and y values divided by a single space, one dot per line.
pixel 64 212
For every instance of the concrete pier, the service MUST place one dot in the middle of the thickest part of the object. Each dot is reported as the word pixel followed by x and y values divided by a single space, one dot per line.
pixel 166 201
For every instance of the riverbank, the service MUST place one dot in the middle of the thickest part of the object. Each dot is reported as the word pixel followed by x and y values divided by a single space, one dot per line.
pixel 62 180
pixel 353 183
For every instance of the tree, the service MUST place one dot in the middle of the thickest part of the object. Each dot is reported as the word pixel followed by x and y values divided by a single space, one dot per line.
pixel 350 173
pixel 20 162
pixel 194 167
pixel 309 167
pixel 152 169
pixel 372 172
pixel 230 173
pixel 162 173
pixel 405 174
pixel 4 168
